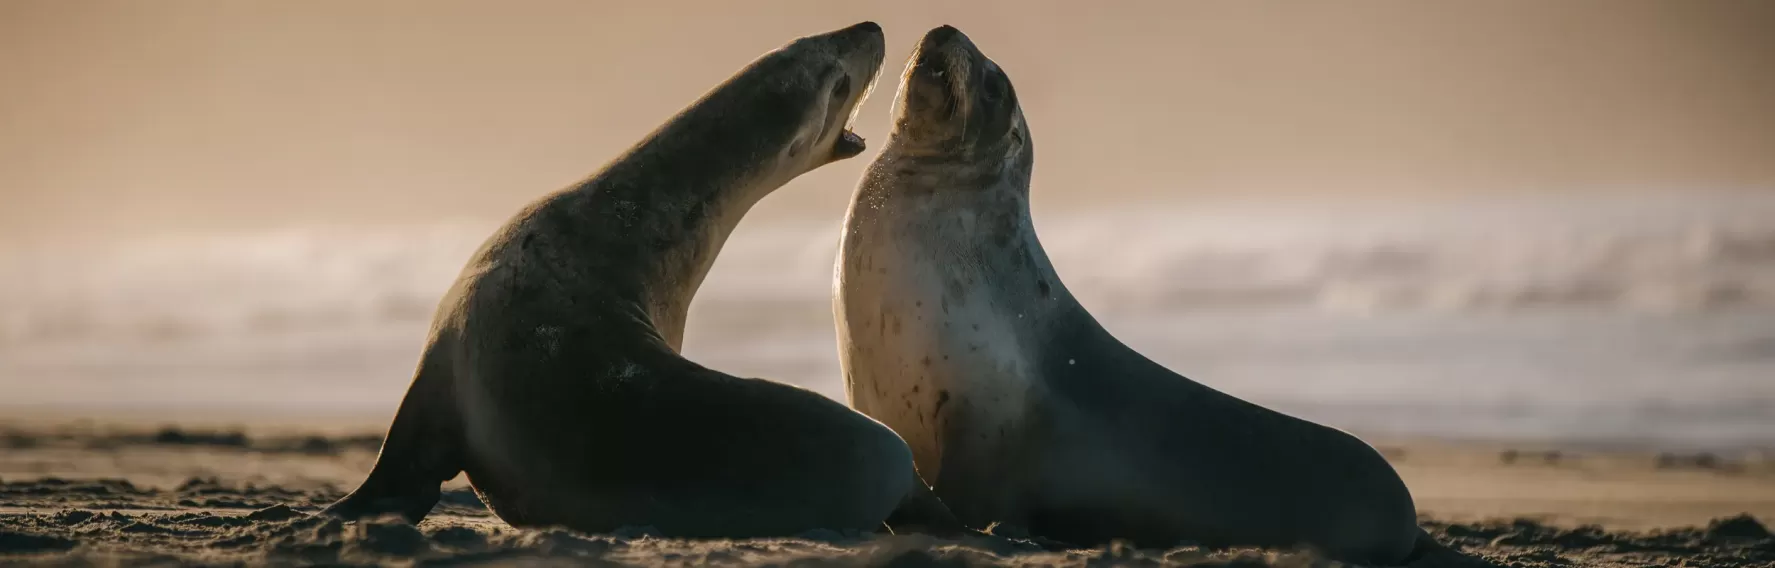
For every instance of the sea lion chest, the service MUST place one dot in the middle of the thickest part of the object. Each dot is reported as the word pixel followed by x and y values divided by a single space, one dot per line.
pixel 932 347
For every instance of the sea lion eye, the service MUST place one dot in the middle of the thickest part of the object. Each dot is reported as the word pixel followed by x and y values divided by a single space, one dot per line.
pixel 843 88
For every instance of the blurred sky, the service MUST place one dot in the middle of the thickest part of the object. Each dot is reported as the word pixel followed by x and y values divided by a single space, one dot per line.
pixel 126 117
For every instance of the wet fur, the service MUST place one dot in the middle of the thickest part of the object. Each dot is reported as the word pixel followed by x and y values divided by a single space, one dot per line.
pixel 552 375
pixel 955 330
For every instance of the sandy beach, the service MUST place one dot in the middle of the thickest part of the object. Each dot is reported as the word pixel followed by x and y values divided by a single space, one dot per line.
pixel 84 493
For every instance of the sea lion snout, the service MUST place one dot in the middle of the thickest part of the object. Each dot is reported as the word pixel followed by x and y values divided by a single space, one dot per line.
pixel 943 38
pixel 954 101
pixel 859 48
pixel 832 72
pixel 862 33
pixel 934 92
pixel 945 53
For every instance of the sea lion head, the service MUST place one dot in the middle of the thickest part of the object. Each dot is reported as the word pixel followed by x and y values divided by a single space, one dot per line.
pixel 957 103
pixel 793 107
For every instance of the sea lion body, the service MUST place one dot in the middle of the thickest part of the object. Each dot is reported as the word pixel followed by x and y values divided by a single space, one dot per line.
pixel 1019 407
pixel 552 375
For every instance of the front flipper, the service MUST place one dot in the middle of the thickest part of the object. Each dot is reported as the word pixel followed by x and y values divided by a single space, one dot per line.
pixel 413 501
pixel 421 452
pixel 922 512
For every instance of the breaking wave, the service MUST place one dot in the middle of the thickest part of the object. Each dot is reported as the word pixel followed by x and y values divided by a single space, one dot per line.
pixel 1657 255
pixel 1645 320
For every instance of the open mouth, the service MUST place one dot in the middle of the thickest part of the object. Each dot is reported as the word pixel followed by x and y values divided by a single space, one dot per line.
pixel 849 145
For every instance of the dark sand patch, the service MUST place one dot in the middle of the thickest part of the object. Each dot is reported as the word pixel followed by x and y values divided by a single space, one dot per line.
pixel 57 521
pixel 216 498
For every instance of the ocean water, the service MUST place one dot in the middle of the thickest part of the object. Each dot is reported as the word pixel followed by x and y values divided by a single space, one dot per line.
pixel 1645 319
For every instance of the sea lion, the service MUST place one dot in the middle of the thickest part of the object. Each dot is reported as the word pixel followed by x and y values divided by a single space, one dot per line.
pixel 1022 410
pixel 552 373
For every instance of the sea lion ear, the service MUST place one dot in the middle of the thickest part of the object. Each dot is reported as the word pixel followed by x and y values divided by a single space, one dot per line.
pixel 800 144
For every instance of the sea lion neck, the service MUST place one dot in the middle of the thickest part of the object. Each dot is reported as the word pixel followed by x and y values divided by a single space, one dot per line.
pixel 671 215
pixel 638 236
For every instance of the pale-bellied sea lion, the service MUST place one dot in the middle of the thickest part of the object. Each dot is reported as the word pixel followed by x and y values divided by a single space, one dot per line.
pixel 552 374
pixel 1019 407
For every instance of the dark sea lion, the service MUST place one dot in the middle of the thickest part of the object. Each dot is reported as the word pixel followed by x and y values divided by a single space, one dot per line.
pixel 552 373
pixel 955 330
